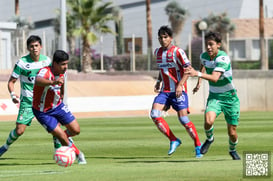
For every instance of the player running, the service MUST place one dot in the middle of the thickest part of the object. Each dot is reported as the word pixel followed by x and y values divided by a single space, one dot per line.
pixel 222 93
pixel 171 60
pixel 48 107
pixel 25 69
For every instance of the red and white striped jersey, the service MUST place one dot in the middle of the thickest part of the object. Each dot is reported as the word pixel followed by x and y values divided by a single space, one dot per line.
pixel 47 97
pixel 171 63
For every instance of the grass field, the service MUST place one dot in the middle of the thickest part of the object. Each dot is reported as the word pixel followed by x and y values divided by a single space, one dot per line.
pixel 129 149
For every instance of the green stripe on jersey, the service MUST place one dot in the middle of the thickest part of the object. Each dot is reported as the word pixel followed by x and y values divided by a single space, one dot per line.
pixel 220 63
pixel 26 69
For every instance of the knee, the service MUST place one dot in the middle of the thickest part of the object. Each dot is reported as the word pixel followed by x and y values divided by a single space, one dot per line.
pixel 184 120
pixel 20 131
pixel 155 113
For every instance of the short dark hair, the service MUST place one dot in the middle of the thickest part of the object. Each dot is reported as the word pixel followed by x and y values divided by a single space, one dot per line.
pixel 33 38
pixel 165 30
pixel 60 56
pixel 215 36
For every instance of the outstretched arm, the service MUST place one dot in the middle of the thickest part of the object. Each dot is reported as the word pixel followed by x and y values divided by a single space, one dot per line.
pixel 214 77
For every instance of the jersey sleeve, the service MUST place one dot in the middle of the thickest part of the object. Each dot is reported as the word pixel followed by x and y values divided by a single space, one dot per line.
pixel 182 58
pixel 16 70
pixel 222 63
pixel 44 72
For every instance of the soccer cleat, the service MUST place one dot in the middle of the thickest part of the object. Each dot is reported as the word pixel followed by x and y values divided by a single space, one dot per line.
pixel 3 149
pixel 234 155
pixel 173 146
pixel 205 146
pixel 198 152
pixel 57 143
pixel 81 159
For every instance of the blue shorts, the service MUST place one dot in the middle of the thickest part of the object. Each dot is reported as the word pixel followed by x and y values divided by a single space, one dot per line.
pixel 170 99
pixel 50 119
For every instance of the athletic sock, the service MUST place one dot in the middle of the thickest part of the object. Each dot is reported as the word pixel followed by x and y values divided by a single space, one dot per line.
pixel 164 128
pixel 232 145
pixel 193 133
pixel 72 145
pixel 209 133
pixel 11 138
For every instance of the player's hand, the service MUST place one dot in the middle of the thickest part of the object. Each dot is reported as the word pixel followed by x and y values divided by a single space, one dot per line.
pixel 178 91
pixel 191 71
pixel 15 99
pixel 59 81
pixel 196 89
pixel 157 87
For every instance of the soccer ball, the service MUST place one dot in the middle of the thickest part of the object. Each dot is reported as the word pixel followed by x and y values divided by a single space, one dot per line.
pixel 65 156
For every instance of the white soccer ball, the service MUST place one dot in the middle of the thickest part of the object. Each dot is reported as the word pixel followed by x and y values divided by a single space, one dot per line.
pixel 65 156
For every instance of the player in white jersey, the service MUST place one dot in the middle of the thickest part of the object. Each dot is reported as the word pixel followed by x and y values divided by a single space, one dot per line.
pixel 222 93
pixel 171 62
pixel 25 69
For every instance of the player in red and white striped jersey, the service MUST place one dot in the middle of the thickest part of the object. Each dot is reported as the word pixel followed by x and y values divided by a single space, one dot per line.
pixel 48 107
pixel 171 61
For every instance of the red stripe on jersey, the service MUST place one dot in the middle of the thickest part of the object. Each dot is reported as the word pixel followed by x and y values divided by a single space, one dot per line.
pixel 171 64
pixel 47 97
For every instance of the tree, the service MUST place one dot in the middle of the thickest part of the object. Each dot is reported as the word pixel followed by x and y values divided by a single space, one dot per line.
pixel 118 19
pixel 149 33
pixel 92 16
pixel 264 60
pixel 177 16
pixel 17 7
pixel 220 23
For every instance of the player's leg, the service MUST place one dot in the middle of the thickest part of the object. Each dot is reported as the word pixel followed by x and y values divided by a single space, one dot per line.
pixel 66 118
pixel 209 128
pixel 233 141
pixel 232 113
pixel 160 103
pixel 24 119
pixel 181 106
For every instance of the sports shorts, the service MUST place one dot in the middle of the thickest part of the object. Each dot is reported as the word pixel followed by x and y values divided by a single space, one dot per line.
pixel 170 99
pixel 228 103
pixel 50 119
pixel 25 116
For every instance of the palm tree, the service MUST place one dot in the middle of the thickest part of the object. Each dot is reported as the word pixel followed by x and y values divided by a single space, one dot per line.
pixel 92 16
pixel 118 19
pixel 177 16
pixel 16 7
pixel 149 33
pixel 220 23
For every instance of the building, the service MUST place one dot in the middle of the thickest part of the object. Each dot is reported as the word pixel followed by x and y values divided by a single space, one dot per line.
pixel 134 16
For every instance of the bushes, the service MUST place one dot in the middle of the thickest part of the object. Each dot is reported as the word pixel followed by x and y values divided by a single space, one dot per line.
pixel 114 63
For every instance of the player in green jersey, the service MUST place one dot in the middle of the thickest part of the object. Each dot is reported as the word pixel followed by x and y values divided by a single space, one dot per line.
pixel 222 93
pixel 25 69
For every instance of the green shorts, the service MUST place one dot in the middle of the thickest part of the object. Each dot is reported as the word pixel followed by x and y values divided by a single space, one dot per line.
pixel 228 103
pixel 25 116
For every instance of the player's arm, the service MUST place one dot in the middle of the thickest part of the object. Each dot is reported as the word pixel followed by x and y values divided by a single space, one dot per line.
pixel 11 83
pixel 41 81
pixel 199 81
pixel 179 87
pixel 157 84
pixel 214 77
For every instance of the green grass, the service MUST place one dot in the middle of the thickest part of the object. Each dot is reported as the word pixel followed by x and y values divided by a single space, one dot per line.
pixel 129 149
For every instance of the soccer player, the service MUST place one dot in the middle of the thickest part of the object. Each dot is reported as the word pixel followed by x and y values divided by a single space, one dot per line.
pixel 25 69
pixel 171 60
pixel 222 93
pixel 48 107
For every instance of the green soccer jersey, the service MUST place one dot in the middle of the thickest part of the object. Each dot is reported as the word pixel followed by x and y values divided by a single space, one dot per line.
pixel 220 63
pixel 26 69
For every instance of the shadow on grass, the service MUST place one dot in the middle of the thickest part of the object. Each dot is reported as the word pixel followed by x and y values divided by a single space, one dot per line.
pixel 156 159
pixel 22 161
